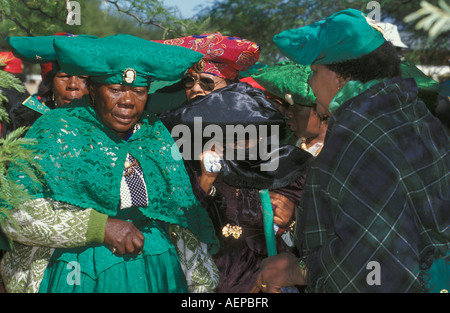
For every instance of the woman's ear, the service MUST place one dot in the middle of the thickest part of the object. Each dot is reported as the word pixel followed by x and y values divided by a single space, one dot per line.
pixel 92 92
pixel 341 81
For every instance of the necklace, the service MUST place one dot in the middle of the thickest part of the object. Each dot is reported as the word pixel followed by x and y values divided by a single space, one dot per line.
pixel 314 149
pixel 303 144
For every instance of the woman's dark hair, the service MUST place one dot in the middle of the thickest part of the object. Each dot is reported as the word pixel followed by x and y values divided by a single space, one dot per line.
pixel 383 62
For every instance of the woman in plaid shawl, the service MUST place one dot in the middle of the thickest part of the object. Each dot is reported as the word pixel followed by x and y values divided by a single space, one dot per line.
pixel 374 214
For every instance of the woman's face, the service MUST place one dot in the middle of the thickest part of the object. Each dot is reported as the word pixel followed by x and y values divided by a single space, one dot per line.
pixel 119 107
pixel 66 88
pixel 325 84
pixel 303 121
pixel 202 84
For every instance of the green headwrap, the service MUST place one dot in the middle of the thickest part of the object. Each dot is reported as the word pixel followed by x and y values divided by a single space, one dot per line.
pixel 343 36
pixel 37 49
pixel 123 59
pixel 40 50
pixel 287 80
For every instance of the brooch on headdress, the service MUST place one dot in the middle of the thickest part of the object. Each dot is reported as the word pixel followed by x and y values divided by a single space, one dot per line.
pixel 288 98
pixel 129 75
pixel 200 66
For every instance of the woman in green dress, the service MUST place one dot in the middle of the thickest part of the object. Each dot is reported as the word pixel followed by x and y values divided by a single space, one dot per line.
pixel 114 212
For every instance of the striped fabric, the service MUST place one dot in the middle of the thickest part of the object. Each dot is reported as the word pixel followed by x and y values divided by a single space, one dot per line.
pixel 133 190
pixel 378 193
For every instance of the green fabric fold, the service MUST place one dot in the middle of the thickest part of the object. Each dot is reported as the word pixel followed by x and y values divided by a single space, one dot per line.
pixel 351 89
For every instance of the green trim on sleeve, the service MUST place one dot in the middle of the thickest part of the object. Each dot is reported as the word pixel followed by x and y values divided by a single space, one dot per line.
pixel 96 227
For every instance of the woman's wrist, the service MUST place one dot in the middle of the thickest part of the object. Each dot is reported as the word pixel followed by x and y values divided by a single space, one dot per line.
pixel 206 183
pixel 96 227
pixel 289 228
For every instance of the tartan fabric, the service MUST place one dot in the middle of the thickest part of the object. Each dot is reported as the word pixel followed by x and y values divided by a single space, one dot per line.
pixel 378 191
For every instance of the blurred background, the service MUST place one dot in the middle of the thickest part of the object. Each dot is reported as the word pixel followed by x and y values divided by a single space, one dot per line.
pixel 422 27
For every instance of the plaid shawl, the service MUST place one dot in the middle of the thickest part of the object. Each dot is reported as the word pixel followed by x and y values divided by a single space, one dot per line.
pixel 379 191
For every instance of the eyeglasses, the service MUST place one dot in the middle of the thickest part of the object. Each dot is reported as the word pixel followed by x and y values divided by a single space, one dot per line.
pixel 207 84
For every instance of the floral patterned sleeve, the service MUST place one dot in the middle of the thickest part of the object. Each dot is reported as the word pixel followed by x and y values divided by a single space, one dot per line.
pixel 44 222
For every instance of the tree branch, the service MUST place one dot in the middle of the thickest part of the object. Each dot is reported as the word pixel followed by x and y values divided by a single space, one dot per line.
pixel 39 9
pixel 14 19
pixel 134 15
pixel 150 21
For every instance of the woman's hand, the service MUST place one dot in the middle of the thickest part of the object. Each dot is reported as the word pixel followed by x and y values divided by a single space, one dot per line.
pixel 283 209
pixel 206 179
pixel 123 237
pixel 281 270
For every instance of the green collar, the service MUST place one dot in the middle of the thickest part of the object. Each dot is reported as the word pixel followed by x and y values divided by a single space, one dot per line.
pixel 351 89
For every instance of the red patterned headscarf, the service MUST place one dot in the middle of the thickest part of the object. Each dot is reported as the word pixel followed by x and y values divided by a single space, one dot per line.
pixel 13 64
pixel 224 56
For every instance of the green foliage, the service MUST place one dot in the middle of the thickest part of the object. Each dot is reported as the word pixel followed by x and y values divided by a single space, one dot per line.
pixel 29 17
pixel 154 13
pixel 102 18
pixel 435 20
pixel 47 17
pixel 8 81
pixel 148 19
pixel 12 149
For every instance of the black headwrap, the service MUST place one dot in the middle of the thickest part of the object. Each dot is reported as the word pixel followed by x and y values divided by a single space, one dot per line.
pixel 240 105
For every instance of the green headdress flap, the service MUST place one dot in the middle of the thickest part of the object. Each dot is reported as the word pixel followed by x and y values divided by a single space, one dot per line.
pixel 123 59
pixel 37 49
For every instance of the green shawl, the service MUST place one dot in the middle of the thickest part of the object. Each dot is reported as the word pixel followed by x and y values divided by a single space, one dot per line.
pixel 84 162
